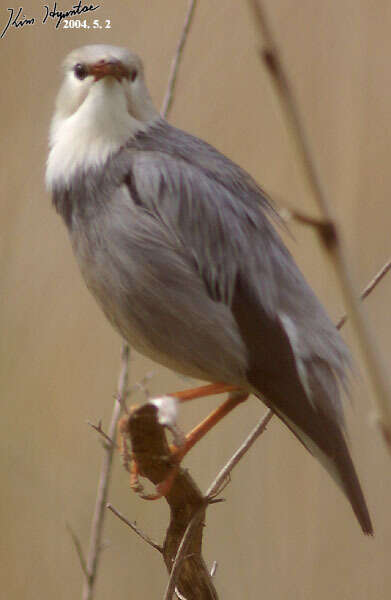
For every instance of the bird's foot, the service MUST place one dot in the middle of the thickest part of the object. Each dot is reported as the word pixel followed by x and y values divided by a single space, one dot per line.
pixel 162 489
pixel 166 414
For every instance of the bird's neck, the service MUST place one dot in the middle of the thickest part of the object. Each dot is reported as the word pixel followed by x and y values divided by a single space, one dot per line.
pixel 86 139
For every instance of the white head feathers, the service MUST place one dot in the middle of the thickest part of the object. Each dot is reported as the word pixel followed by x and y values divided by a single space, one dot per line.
pixel 102 102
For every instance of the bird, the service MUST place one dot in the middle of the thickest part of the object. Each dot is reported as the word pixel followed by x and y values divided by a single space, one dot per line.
pixel 181 248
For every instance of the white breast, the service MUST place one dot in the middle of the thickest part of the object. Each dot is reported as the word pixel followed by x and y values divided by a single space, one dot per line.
pixel 86 138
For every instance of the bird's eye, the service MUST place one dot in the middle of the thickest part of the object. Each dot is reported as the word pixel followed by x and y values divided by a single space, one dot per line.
pixel 80 71
pixel 133 75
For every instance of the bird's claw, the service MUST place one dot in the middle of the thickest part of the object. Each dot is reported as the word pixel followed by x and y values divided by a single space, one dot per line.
pixel 167 409
pixel 162 489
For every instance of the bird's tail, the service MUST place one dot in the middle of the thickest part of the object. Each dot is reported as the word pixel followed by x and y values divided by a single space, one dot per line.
pixel 338 463
pixel 321 431
pixel 351 485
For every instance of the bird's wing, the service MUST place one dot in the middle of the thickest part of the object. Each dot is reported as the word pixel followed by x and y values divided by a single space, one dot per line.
pixel 233 246
pixel 296 358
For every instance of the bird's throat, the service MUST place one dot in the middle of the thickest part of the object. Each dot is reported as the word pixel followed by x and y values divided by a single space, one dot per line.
pixel 86 139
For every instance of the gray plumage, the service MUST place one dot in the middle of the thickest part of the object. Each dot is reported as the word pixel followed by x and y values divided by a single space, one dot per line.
pixel 178 245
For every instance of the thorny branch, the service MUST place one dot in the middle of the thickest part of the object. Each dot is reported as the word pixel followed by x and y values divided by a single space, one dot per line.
pixel 328 233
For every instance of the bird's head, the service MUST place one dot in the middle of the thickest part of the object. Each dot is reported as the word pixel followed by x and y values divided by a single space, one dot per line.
pixel 103 102
pixel 105 71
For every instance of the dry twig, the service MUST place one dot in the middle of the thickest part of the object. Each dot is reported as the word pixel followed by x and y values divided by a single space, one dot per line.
pixel 134 528
pixel 328 233
pixel 182 552
pixel 368 289
pixel 215 486
pixel 98 428
pixel 95 545
pixel 153 457
pixel 169 96
pixel 79 550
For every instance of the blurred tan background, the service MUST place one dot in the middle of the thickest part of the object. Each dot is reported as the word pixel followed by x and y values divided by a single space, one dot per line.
pixel 285 530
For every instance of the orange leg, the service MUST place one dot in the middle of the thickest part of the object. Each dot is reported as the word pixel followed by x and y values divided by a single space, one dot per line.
pixel 178 453
pixel 196 434
pixel 204 390
pixel 134 481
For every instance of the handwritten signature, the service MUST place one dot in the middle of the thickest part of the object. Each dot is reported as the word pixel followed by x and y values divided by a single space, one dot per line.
pixel 18 20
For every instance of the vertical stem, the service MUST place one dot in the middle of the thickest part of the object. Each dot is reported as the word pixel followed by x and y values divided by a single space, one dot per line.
pixel 332 242
pixel 95 545
pixel 169 96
